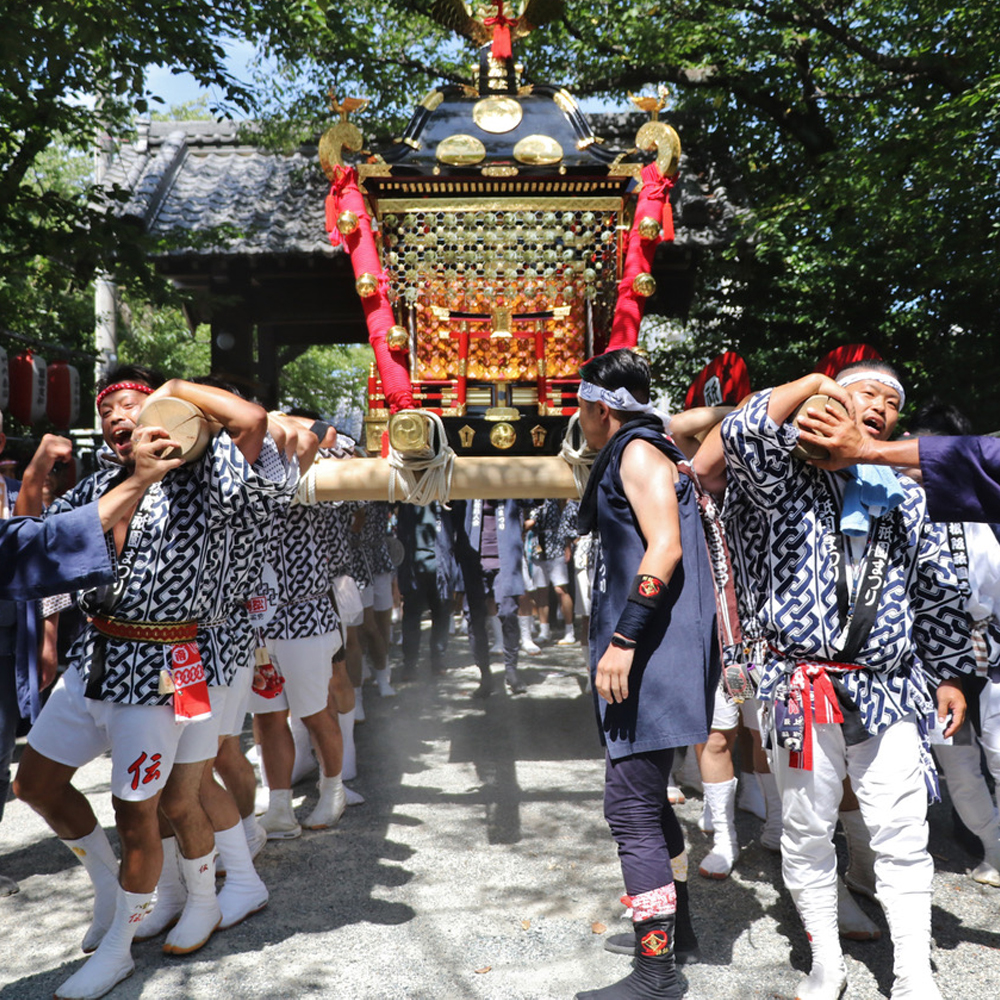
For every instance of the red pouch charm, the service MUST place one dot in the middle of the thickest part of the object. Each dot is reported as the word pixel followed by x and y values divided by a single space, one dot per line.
pixel 267 679
pixel 191 700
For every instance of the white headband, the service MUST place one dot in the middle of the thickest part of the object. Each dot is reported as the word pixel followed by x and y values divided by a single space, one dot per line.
pixel 870 375
pixel 619 399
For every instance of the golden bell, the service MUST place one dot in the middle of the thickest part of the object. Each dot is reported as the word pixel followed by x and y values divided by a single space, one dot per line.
pixel 347 222
pixel 397 338
pixel 367 285
pixel 649 228
pixel 644 285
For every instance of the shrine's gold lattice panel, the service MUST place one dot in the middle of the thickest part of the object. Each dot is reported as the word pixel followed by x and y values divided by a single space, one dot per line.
pixel 475 258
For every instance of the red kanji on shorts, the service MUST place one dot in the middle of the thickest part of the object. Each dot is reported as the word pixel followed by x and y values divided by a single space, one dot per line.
pixel 152 771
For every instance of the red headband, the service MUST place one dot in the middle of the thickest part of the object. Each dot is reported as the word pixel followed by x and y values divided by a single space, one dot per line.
pixel 118 386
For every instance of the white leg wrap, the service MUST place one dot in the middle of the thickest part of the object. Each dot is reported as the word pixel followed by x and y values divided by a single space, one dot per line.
pixel 349 770
pixel 721 797
pixel 770 835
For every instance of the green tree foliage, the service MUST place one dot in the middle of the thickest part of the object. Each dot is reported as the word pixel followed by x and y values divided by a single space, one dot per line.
pixel 861 135
pixel 331 380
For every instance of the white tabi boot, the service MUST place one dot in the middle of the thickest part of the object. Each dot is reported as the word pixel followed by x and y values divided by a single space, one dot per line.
pixel 169 898
pixel 770 834
pixel 255 835
pixel 750 798
pixel 96 855
pixel 353 798
pixel 385 689
pixel 331 805
pixel 852 922
pixel 528 645
pixel 827 978
pixel 909 917
pixel 349 770
pixel 279 821
pixel 359 706
pixel 305 759
pixel 243 893
pixel 860 874
pixel 202 914
pixel 112 962
pixel 721 796
pixel 543 632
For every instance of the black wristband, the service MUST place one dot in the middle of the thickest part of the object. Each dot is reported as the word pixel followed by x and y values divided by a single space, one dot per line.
pixel 319 428
pixel 640 609
pixel 647 590
pixel 622 643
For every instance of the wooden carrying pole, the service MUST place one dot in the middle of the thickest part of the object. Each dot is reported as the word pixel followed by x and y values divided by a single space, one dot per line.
pixel 541 477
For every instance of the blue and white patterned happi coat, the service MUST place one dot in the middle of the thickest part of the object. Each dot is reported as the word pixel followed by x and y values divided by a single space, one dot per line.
pixel 171 566
pixel 238 561
pixel 920 631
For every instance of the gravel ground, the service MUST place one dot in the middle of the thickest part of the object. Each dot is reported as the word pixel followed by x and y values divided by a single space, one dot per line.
pixel 479 867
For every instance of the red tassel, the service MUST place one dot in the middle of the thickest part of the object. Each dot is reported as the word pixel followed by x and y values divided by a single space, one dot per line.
pixel 501 32
pixel 668 219
pixel 331 219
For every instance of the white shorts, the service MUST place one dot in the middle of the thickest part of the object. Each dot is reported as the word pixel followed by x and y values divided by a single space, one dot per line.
pixel 378 594
pixel 584 587
pixel 727 712
pixel 234 713
pixel 74 730
pixel 347 597
pixel 200 740
pixel 549 571
pixel 307 666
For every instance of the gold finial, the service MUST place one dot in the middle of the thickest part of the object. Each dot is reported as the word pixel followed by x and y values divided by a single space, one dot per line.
pixel 651 105
pixel 347 106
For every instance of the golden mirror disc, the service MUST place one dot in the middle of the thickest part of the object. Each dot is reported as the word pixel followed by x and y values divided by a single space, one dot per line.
pixel 497 114
pixel 538 150
pixel 667 143
pixel 503 436
pixel 460 150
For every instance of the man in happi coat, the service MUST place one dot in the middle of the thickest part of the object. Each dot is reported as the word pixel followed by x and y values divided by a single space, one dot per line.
pixel 141 667
pixel 861 612
pixel 654 650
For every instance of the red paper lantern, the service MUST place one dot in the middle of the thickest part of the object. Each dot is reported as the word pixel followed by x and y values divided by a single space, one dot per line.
pixel 4 380
pixel 724 381
pixel 840 357
pixel 27 387
pixel 63 403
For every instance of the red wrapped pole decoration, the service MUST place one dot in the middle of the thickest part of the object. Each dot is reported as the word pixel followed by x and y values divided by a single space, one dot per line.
pixel 348 221
pixel 646 234
pixel 501 26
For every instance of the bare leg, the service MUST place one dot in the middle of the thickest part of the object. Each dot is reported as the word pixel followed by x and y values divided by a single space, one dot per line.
pixel 46 787
pixel 237 773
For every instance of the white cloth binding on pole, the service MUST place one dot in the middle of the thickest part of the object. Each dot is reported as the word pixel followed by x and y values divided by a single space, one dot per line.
pixel 408 485
pixel 578 459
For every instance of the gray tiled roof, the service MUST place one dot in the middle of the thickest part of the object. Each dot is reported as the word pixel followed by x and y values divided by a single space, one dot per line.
pixel 189 177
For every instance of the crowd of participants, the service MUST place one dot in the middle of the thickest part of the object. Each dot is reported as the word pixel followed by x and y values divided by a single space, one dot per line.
pixel 852 632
